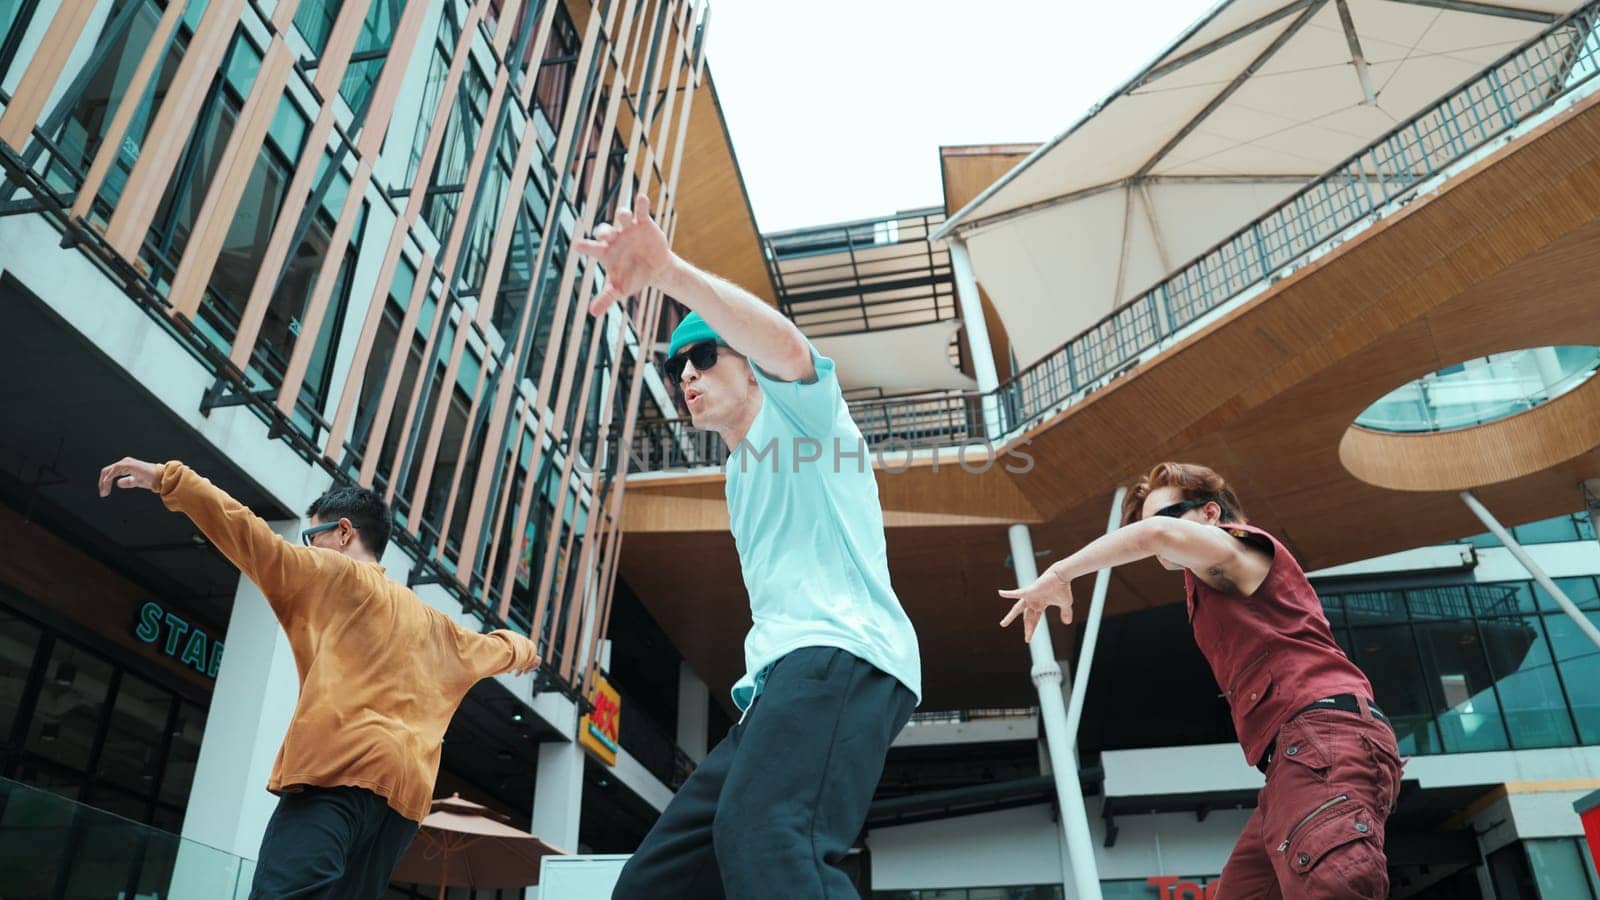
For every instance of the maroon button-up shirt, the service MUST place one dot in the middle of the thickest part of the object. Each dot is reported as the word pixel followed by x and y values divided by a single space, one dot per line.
pixel 1271 652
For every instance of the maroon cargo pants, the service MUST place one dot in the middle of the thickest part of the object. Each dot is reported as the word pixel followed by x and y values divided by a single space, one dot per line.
pixel 1317 831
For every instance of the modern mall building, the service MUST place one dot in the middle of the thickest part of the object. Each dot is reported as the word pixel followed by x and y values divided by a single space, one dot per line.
pixel 1340 250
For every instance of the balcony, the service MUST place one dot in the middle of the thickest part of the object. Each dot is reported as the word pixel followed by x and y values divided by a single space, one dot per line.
pixel 1554 69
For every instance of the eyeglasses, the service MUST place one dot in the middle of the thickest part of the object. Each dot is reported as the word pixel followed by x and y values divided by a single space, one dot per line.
pixel 703 355
pixel 1179 508
pixel 313 531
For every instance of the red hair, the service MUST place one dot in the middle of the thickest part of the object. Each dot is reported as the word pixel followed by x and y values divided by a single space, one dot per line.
pixel 1196 482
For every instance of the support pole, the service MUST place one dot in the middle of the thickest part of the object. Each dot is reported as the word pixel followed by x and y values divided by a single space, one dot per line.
pixel 1091 628
pixel 1591 502
pixel 977 336
pixel 1534 569
pixel 1046 675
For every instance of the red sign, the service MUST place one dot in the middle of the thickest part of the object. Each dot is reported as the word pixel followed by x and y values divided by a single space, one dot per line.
pixel 1171 887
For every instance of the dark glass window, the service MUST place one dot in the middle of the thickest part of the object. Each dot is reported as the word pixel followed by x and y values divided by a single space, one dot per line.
pixel 371 51
pixel 1531 698
pixel 314 19
pixel 449 178
pixel 1578 661
pixel 197 167
pixel 444 43
pixel 378 360
pixel 516 277
pixel 253 222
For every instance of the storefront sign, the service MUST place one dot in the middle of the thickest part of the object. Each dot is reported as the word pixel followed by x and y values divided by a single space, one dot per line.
pixel 183 642
pixel 598 731
pixel 1171 887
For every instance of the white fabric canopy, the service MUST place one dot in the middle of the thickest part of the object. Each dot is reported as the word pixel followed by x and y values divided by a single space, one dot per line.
pixel 897 359
pixel 1257 99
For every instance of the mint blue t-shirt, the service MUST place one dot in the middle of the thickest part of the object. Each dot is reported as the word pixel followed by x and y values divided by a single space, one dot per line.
pixel 803 507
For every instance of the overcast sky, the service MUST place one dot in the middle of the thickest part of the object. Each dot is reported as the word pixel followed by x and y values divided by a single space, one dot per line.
pixel 837 108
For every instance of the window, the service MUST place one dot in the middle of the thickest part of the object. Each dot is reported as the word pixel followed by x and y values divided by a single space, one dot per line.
pixel 75 724
pixel 1530 692
pixel 378 360
pixel 449 178
pixel 291 301
pixel 1561 867
pixel 314 19
pixel 393 438
pixel 1578 661
pixel 545 314
pixel 452 444
pixel 15 15
pixel 1388 656
pixel 516 276
pixel 129 32
pixel 186 192
pixel 444 44
pixel 487 216
pixel 246 242
pixel 19 641
pixel 415 442
pixel 554 83
pixel 58 749
pixel 371 50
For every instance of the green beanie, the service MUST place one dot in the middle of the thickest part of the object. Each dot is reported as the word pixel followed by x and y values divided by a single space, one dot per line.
pixel 692 330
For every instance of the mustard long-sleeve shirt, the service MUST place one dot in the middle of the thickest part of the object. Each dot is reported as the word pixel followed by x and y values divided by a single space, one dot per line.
pixel 381 671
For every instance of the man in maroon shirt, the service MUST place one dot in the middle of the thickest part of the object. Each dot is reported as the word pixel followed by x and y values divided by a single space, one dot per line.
pixel 1302 710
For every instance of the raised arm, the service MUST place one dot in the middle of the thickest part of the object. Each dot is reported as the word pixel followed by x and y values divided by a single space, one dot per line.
pixel 635 254
pixel 279 568
pixel 1210 552
pixel 496 652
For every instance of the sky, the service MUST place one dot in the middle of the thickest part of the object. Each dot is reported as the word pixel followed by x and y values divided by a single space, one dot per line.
pixel 837 108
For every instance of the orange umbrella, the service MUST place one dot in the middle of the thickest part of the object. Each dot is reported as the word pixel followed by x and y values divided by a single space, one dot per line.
pixel 464 844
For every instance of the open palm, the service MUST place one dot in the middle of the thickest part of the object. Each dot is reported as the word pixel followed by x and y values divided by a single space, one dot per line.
pixel 1032 602
pixel 633 249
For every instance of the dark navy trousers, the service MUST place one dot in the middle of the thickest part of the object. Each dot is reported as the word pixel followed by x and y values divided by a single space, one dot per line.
pixel 778 803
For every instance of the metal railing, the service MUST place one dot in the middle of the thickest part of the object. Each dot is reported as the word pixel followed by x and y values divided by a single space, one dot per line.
pixel 1555 64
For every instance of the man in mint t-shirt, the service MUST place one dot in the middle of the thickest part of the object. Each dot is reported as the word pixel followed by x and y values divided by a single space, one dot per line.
pixel 831 665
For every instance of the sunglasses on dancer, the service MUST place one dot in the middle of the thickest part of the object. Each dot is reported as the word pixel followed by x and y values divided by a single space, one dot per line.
pixel 1176 510
pixel 703 355
pixel 309 533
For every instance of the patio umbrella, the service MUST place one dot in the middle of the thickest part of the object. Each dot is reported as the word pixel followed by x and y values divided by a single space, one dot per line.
pixel 464 844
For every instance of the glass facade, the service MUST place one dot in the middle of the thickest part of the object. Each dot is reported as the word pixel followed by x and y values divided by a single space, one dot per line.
pixel 1476 667
pixel 75 723
pixel 1483 390
pixel 272 212
pixel 1544 869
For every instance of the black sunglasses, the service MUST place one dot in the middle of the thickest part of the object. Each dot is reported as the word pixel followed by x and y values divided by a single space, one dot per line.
pixel 313 531
pixel 703 355
pixel 1179 508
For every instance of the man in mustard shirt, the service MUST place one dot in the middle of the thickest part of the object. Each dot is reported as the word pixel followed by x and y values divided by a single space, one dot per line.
pixel 381 674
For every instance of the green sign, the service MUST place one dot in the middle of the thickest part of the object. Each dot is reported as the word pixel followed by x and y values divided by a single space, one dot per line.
pixel 185 643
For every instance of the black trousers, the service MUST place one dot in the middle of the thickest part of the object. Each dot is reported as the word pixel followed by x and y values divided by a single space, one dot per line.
pixel 330 844
pixel 777 804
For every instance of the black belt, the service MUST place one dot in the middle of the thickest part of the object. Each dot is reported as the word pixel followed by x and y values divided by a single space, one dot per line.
pixel 1343 702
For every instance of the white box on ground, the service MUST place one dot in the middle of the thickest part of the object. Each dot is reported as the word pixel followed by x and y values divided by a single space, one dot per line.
pixel 578 877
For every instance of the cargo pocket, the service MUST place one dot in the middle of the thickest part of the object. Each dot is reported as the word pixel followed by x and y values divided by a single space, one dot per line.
pixel 1300 744
pixel 1335 852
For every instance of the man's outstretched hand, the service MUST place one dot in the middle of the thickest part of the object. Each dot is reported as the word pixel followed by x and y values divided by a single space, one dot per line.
pixel 633 250
pixel 128 472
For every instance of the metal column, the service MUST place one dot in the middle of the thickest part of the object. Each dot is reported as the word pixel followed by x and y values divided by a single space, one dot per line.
pixel 977 336
pixel 1091 627
pixel 1534 569
pixel 1047 678
pixel 1591 502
